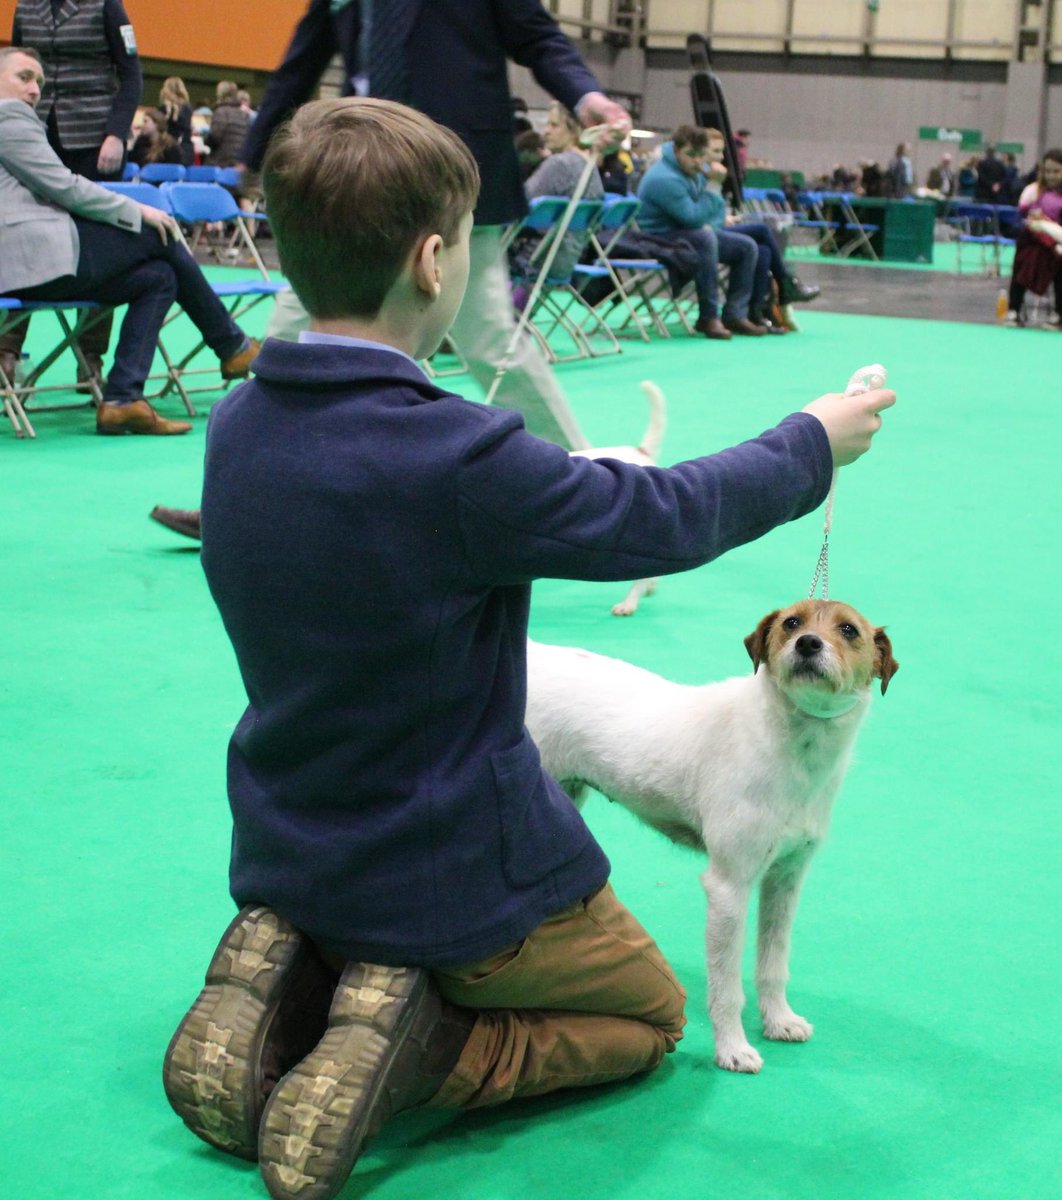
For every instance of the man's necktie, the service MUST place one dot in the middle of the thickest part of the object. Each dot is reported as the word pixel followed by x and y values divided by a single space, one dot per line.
pixel 388 31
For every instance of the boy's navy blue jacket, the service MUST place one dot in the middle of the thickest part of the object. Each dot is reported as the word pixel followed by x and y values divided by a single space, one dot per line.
pixel 370 541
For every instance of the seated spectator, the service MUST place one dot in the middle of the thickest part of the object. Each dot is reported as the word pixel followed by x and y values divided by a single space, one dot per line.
pixel 228 127
pixel 69 239
pixel 873 181
pixel 174 102
pixel 153 144
pixel 530 150
pixel 559 174
pixel 769 262
pixel 676 203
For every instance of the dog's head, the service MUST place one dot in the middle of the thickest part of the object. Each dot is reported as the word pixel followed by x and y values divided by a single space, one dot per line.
pixel 818 649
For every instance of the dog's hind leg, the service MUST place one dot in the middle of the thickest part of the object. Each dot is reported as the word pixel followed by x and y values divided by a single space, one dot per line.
pixel 728 906
pixel 628 606
pixel 779 892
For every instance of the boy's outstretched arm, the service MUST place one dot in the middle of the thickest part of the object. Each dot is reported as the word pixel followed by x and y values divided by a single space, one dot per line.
pixel 851 421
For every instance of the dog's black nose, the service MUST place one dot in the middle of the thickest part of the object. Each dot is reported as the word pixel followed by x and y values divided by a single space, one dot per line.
pixel 808 645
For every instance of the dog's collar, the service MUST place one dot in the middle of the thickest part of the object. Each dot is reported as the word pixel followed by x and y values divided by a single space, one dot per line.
pixel 823 704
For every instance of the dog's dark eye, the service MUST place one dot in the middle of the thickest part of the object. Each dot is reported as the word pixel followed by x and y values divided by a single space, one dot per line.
pixel 849 631
pixel 791 623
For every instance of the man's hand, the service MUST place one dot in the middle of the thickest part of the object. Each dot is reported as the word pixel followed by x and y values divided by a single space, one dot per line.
pixel 595 108
pixel 851 421
pixel 160 221
pixel 110 158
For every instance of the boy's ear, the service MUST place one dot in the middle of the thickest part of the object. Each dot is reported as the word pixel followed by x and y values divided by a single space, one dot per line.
pixel 426 274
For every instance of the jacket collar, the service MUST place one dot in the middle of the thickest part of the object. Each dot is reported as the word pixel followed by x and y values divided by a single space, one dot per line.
pixel 310 365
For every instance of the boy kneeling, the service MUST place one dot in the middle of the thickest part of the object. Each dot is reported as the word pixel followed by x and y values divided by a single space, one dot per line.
pixel 370 541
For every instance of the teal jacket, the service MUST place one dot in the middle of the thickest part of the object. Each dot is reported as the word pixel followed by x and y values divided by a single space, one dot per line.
pixel 673 200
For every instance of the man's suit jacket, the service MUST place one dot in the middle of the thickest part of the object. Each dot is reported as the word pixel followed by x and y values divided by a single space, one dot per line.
pixel 456 52
pixel 38 237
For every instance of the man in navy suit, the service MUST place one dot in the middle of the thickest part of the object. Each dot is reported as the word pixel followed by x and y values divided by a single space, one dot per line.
pixel 448 59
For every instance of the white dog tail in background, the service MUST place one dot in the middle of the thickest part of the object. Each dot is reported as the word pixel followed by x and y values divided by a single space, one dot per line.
pixel 653 439
pixel 866 379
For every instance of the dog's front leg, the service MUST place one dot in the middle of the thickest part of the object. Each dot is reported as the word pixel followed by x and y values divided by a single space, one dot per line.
pixel 728 905
pixel 779 892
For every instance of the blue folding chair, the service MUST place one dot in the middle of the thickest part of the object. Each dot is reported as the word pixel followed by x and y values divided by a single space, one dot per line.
pixel 976 225
pixel 616 219
pixel 555 294
pixel 15 391
pixel 201 206
pixel 130 171
pixel 201 174
pixel 162 172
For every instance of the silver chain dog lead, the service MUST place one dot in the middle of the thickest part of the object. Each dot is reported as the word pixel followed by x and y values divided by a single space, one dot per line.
pixel 866 379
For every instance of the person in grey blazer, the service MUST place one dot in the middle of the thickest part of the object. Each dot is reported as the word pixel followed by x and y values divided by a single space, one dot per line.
pixel 63 237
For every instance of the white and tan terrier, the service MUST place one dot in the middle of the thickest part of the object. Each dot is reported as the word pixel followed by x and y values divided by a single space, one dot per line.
pixel 746 769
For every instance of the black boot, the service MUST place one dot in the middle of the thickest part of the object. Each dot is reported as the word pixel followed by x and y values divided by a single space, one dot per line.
pixel 391 1043
pixel 760 316
pixel 792 291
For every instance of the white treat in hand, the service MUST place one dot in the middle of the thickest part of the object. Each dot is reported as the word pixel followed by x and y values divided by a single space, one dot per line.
pixel 866 379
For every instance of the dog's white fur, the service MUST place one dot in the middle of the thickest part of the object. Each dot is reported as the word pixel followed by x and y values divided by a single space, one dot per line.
pixel 747 769
pixel 645 455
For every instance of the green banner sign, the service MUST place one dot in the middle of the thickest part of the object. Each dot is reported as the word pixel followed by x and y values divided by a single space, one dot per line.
pixel 964 139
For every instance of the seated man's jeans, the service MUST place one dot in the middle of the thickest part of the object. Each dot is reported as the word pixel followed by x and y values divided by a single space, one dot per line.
pixel 740 255
pixel 117 267
pixel 770 263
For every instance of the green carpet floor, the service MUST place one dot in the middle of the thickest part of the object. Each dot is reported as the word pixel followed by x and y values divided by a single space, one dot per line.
pixel 927 946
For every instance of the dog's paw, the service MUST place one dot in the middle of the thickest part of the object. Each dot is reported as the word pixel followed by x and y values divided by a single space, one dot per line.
pixel 625 608
pixel 787 1027
pixel 738 1058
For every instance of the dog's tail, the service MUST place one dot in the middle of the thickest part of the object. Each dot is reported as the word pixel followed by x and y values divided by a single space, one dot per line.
pixel 653 439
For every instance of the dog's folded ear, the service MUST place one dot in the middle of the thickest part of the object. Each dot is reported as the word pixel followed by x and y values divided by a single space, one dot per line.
pixel 756 642
pixel 885 666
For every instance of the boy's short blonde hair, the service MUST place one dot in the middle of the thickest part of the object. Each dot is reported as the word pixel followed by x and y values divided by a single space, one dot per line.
pixel 351 185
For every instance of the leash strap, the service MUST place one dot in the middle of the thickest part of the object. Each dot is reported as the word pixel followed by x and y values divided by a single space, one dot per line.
pixel 864 380
pixel 822 567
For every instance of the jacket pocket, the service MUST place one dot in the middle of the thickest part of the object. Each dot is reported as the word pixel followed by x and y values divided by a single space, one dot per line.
pixel 541 829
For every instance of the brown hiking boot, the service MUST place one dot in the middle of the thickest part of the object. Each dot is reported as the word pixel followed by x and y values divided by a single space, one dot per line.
pixel 390 1045
pixel 264 1006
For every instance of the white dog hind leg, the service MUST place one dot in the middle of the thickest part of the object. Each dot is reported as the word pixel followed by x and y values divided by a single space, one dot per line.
pixel 728 905
pixel 628 606
pixel 779 892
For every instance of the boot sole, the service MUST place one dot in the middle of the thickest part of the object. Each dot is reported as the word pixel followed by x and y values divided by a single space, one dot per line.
pixel 320 1115
pixel 212 1068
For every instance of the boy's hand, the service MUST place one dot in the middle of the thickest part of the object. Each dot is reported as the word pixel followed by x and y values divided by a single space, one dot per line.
pixel 851 421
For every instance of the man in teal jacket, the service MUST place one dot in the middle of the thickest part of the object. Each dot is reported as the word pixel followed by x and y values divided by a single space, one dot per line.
pixel 677 203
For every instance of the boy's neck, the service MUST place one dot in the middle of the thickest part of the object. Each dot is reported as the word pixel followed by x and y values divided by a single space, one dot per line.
pixel 369 330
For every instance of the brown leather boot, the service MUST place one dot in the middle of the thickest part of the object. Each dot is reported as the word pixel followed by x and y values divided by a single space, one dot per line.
pixel 238 366
pixel 744 326
pixel 181 520
pixel 137 417
pixel 712 328
pixel 391 1043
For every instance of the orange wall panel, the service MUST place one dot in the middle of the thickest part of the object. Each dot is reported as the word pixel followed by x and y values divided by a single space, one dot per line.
pixel 229 33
